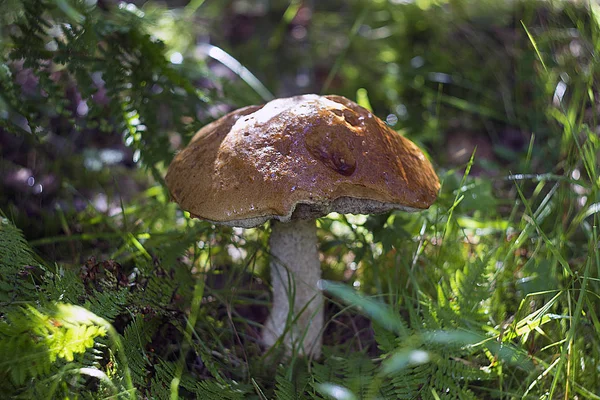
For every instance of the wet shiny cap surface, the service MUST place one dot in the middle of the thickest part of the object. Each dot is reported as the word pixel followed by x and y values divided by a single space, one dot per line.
pixel 299 157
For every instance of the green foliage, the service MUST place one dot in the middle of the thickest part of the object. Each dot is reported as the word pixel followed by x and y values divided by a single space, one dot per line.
pixel 138 334
pixel 18 265
pixel 42 340
pixel 118 68
pixel 417 362
pixel 107 305
pixel 161 386
pixel 287 389
pixel 353 371
pixel 212 390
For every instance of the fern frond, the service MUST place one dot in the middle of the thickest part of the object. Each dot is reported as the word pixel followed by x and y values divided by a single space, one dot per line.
pixel 469 288
pixel 107 304
pixel 137 335
pixel 284 388
pixel 291 389
pixel 386 340
pixel 353 371
pixel 410 383
pixel 164 372
pixel 213 390
pixel 17 265
pixel 65 286
pixel 36 339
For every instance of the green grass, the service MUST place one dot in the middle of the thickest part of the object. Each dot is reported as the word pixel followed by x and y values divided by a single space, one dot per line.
pixel 491 293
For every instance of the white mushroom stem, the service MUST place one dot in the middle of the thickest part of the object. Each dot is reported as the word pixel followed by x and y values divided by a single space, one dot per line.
pixel 295 271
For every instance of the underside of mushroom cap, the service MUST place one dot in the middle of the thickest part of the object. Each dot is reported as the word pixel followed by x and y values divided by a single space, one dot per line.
pixel 299 157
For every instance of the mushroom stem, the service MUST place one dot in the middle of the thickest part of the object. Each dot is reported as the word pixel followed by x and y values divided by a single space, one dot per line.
pixel 295 271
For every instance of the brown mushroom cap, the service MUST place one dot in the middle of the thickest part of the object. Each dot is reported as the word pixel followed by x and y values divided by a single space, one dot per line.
pixel 299 157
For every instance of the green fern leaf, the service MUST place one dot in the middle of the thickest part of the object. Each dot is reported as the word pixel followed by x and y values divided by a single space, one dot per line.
pixel 107 304
pixel 213 390
pixel 17 265
pixel 137 335
pixel 37 339
pixel 293 388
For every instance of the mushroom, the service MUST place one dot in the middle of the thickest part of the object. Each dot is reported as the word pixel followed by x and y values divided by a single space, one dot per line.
pixel 291 161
